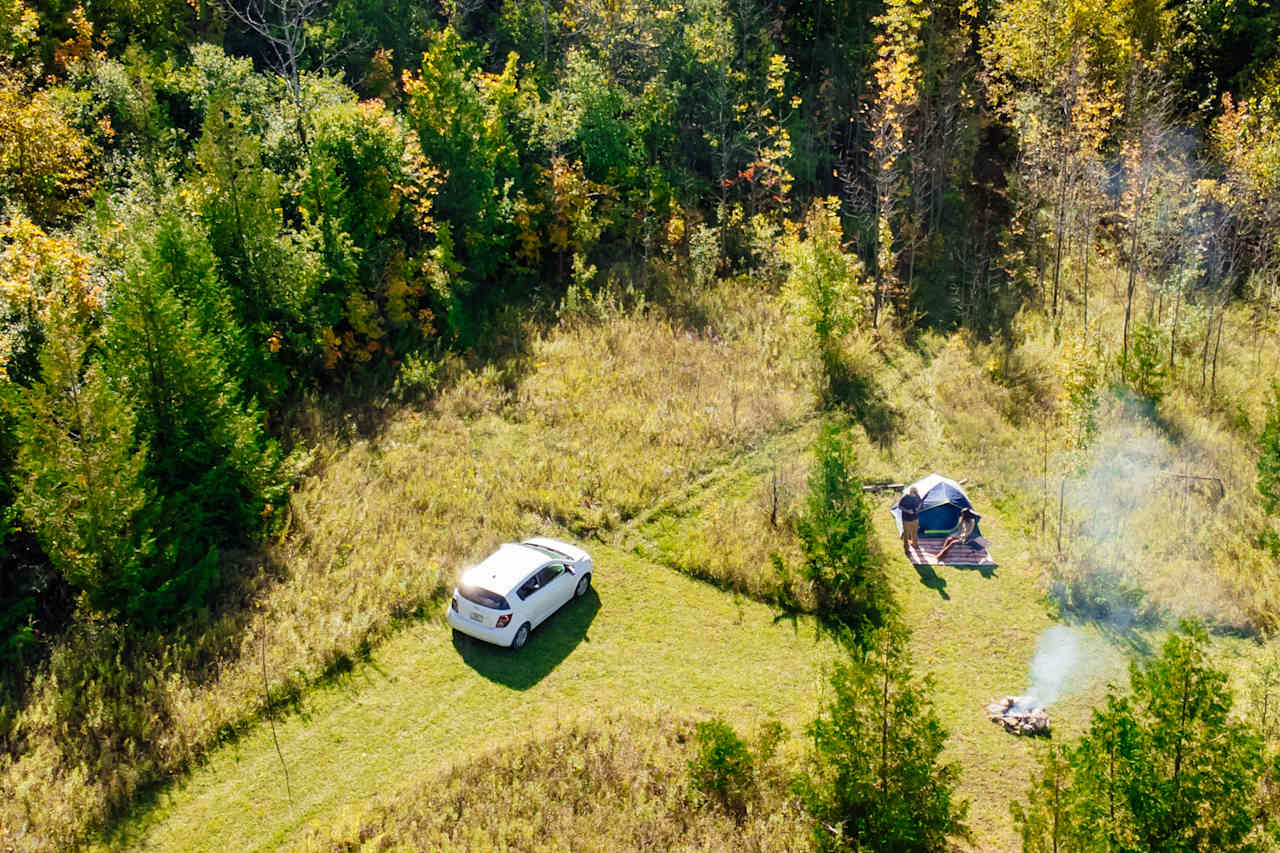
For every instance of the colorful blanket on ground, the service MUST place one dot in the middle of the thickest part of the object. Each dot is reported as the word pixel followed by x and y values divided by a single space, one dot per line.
pixel 972 553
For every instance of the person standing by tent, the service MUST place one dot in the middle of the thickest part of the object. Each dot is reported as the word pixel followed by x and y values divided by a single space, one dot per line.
pixel 909 506
pixel 961 533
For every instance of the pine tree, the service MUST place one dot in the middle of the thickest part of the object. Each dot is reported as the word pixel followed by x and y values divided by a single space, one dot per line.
pixel 876 781
pixel 81 467
pixel 271 274
pixel 215 473
pixel 1166 768
pixel 1269 456
pixel 835 535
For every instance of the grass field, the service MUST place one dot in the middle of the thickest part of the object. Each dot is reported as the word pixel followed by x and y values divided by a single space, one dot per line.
pixel 675 630
pixel 648 639
pixel 976 631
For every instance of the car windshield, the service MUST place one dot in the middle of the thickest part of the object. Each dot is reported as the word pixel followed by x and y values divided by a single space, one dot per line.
pixel 483 597
pixel 550 552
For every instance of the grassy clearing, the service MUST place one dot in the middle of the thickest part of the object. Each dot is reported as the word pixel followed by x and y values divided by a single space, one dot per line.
pixel 979 413
pixel 592 425
pixel 379 530
pixel 619 783
pixel 976 633
pixel 649 640
pixel 726 526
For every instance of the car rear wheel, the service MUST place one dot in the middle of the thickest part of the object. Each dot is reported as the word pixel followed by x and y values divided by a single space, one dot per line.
pixel 583 585
pixel 521 637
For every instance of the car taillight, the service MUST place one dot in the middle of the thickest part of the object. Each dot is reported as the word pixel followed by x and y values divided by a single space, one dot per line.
pixel 504 620
pixel 453 602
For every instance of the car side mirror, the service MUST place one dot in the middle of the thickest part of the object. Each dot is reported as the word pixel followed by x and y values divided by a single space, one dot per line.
pixel 569 569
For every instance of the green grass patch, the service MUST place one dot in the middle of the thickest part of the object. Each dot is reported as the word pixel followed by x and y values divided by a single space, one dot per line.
pixel 646 641
pixel 725 526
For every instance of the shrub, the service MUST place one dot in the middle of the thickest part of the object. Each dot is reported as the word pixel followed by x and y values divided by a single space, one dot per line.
pixel 723 769
pixel 1144 370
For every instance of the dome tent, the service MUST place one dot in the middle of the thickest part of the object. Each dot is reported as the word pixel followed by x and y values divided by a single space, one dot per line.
pixel 940 511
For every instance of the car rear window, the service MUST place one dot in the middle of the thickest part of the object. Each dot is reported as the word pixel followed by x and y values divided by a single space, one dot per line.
pixel 483 597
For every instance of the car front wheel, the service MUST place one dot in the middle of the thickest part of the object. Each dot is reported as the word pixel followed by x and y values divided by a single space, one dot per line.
pixel 583 585
pixel 521 637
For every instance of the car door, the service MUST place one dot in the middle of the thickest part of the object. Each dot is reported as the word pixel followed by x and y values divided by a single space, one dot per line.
pixel 531 596
pixel 556 588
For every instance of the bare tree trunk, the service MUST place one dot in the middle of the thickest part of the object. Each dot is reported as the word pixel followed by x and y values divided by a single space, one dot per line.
pixel 1128 302
pixel 1213 381
pixel 282 26
pixel 1044 486
pixel 1204 354
pixel 1088 249
pixel 1040 270
pixel 1061 228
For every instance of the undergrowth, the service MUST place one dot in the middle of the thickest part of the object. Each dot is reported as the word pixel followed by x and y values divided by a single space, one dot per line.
pixel 622 783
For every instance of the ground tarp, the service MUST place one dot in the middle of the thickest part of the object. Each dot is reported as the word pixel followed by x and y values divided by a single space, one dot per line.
pixel 939 513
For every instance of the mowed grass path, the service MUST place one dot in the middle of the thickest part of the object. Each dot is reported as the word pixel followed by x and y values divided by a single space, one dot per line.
pixel 647 638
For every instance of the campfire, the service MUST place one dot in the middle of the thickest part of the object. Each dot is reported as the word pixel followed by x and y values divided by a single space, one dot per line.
pixel 1020 715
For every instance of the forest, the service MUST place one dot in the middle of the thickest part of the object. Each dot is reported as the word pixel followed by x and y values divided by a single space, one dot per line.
pixel 235 232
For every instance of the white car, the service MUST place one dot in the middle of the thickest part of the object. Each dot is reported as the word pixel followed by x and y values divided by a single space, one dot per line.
pixel 517 588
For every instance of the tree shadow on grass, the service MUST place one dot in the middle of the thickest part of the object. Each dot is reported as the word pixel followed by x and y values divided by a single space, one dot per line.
pixel 929 576
pixel 988 571
pixel 549 644
pixel 859 394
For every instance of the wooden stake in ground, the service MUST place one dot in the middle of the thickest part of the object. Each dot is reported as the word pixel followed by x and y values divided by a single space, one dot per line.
pixel 266 693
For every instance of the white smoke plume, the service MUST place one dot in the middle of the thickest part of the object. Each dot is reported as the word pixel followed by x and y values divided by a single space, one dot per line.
pixel 1056 659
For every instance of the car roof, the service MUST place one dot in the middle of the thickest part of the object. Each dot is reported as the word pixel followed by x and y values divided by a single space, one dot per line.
pixel 505 568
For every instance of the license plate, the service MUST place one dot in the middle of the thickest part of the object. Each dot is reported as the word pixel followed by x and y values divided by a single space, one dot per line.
pixel 477 617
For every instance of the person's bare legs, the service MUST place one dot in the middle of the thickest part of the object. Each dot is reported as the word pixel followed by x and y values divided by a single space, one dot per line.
pixel 946 546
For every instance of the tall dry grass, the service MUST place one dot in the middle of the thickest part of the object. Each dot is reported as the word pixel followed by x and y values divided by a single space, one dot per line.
pixel 609 416
pixel 1139 539
pixel 726 528
pixel 622 783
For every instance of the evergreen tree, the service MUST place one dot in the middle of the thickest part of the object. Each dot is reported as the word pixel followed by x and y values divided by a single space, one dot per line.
pixel 81 468
pixel 835 536
pixel 1269 456
pixel 215 473
pixel 876 782
pixel 1164 769
pixel 271 273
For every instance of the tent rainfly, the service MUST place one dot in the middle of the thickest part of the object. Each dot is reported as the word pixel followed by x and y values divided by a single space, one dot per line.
pixel 940 512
